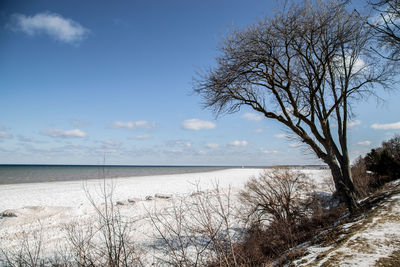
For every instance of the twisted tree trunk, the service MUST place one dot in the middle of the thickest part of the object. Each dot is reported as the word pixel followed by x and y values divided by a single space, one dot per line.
pixel 341 175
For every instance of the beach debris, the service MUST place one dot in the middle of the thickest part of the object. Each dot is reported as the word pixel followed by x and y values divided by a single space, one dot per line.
pixel 122 202
pixel 197 193
pixel 8 213
pixel 149 198
pixel 164 196
pixel 133 200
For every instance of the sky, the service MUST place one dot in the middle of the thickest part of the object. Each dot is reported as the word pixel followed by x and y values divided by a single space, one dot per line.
pixel 93 82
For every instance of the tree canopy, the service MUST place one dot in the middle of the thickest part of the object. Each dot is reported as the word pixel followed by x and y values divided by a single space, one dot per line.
pixel 305 68
pixel 387 27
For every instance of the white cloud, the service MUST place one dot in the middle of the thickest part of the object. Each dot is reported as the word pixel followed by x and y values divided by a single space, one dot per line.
pixel 252 116
pixel 196 124
pixel 266 151
pixel 280 136
pixel 140 137
pixel 75 133
pixel 212 145
pixel 133 124
pixel 5 135
pixel 358 65
pixel 353 123
pixel 259 130
pixel 239 143
pixel 364 143
pixel 387 126
pixel 60 28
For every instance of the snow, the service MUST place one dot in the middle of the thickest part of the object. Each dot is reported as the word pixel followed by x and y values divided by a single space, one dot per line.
pixel 72 193
pixel 376 238
pixel 48 207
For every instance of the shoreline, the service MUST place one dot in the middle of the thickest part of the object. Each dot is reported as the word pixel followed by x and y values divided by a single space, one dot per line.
pixel 24 174
pixel 47 173
pixel 72 193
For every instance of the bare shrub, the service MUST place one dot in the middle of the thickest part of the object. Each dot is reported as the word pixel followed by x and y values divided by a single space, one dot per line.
pixel 277 195
pixel 198 230
pixel 107 241
pixel 29 251
pixel 361 179
pixel 283 211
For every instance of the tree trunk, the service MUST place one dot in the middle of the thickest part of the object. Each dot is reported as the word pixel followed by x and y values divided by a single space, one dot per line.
pixel 344 185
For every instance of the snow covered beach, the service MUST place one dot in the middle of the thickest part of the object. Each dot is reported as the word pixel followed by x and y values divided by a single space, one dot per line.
pixel 72 193
pixel 47 207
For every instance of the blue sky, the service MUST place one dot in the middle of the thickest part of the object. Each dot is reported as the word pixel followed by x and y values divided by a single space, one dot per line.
pixel 83 80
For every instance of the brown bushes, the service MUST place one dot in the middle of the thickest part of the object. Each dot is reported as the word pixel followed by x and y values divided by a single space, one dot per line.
pixel 362 180
pixel 286 214
pixel 277 195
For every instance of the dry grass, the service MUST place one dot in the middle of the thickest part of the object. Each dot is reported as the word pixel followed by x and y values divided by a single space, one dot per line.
pixel 392 261
pixel 378 210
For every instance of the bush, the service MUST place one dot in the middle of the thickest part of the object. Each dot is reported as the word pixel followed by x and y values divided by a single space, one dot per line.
pixel 105 242
pixel 283 213
pixel 363 181
pixel 277 196
pixel 198 230
pixel 29 251
pixel 379 166
pixel 385 161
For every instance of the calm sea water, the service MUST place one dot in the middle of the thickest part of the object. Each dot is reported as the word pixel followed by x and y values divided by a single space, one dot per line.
pixel 12 174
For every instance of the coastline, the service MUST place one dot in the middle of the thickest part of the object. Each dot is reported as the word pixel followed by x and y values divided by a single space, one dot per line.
pixel 72 193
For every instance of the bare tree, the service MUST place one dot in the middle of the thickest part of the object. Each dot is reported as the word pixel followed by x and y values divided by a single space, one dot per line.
pixel 303 68
pixel 201 230
pixel 387 27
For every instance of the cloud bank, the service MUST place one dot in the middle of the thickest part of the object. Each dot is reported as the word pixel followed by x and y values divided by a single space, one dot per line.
pixel 196 125
pixel 280 136
pixel 5 135
pixel 387 126
pixel 75 133
pixel 133 124
pixel 54 25
pixel 140 137
pixel 364 143
pixel 239 143
pixel 267 151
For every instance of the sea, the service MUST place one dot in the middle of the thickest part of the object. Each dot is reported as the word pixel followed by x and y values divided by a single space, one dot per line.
pixel 13 174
